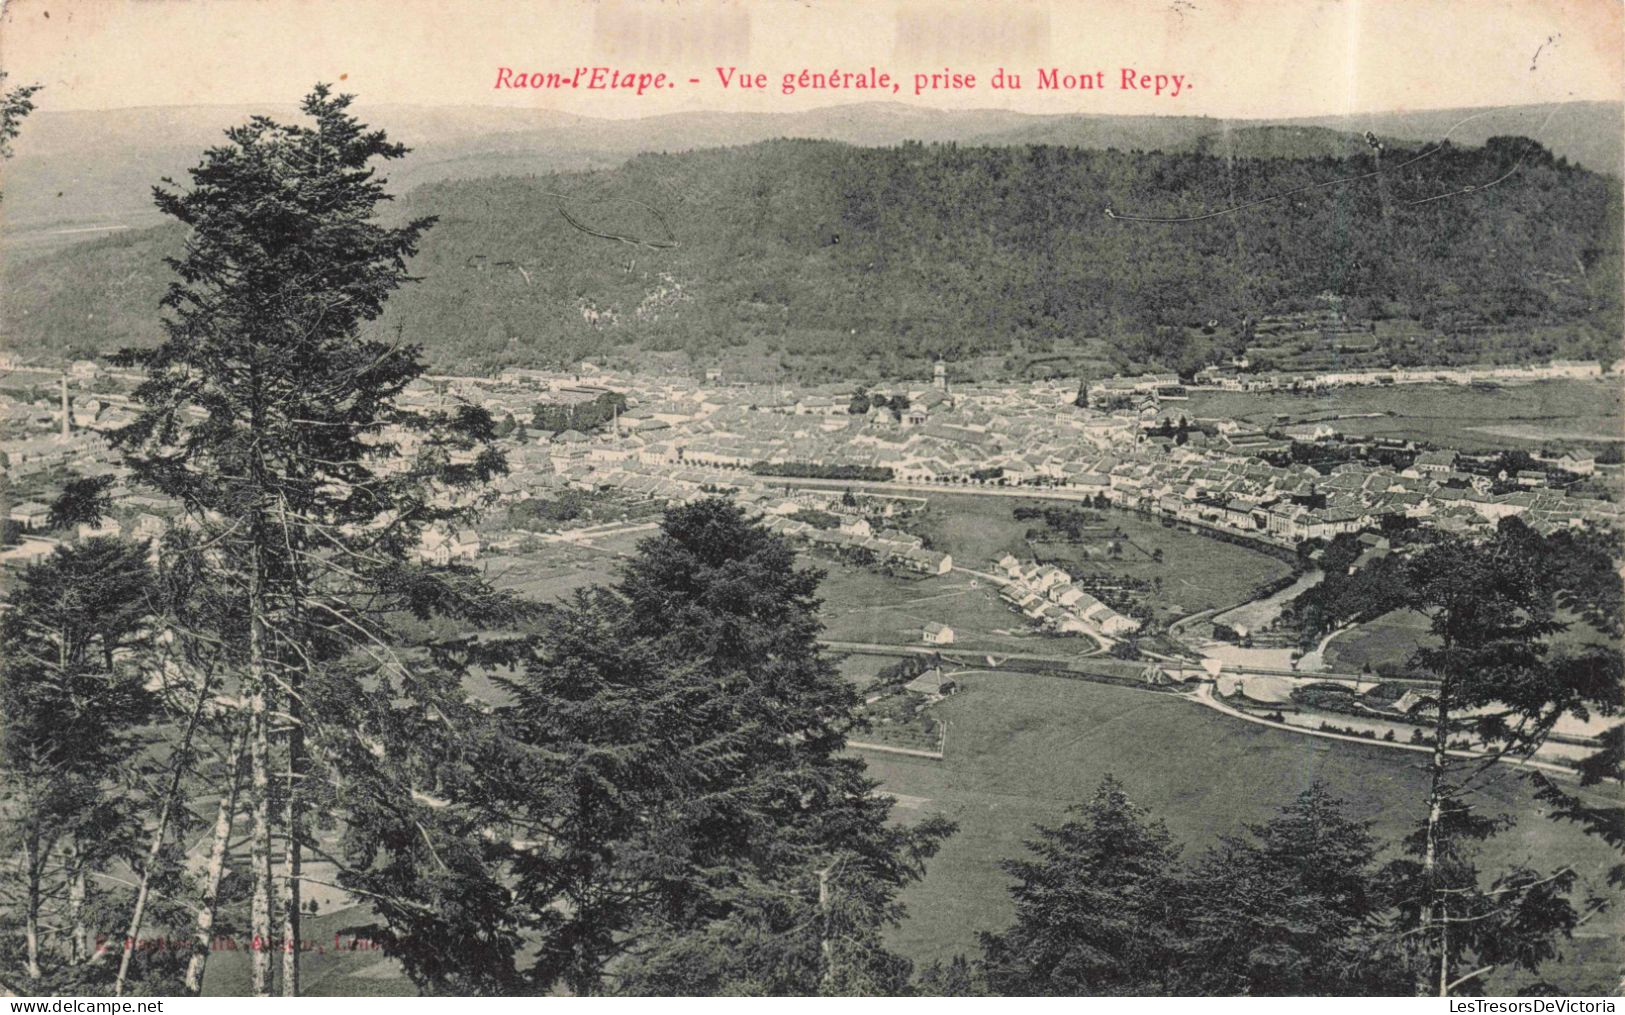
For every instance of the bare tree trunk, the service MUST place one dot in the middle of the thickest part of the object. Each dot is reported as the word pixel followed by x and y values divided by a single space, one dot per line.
pixel 825 945
pixel 1430 855
pixel 32 907
pixel 78 938
pixel 293 809
pixel 203 941
pixel 292 817
pixel 139 912
pixel 259 782
pixel 293 796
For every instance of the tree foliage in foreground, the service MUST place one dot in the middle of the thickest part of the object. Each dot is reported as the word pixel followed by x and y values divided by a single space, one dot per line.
pixel 1307 903
pixel 1494 607
pixel 1292 907
pixel 269 412
pixel 73 711
pixel 661 804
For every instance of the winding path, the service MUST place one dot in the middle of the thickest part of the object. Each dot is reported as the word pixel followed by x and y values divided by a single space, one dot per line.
pixel 1203 695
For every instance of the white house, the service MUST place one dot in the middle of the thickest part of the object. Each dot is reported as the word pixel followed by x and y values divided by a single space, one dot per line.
pixel 438 546
pixel 30 514
pixel 1066 595
pixel 937 634
pixel 107 527
pixel 1581 463
pixel 857 527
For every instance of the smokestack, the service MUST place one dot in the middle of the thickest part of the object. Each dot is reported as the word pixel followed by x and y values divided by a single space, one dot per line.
pixel 64 405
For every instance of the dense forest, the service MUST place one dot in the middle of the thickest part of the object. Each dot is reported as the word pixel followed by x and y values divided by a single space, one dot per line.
pixel 832 260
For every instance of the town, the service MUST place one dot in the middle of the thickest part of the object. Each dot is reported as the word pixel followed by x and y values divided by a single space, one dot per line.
pixel 794 456
pixel 1182 563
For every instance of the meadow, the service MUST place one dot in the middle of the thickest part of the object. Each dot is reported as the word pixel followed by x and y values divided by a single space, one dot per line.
pixel 1387 641
pixel 1451 415
pixel 1197 572
pixel 1021 748
pixel 550 573
pixel 1392 638
pixel 864 605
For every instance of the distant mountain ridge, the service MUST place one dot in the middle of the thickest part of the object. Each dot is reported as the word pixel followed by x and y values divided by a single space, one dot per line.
pixel 827 260
pixel 80 172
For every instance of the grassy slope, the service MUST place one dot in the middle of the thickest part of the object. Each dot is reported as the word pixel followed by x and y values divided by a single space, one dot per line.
pixel 1197 572
pixel 1022 748
pixel 1443 414
pixel 1393 637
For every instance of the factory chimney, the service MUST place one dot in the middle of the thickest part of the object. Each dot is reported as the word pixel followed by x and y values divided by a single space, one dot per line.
pixel 65 417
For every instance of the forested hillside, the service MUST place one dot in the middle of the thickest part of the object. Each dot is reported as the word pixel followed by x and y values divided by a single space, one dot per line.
pixel 827 259
pixel 78 173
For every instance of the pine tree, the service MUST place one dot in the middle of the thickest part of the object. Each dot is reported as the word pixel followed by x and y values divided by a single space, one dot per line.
pixel 1289 908
pixel 82 501
pixel 703 831
pixel 272 415
pixel 1493 609
pixel 611 747
pixel 1096 908
pixel 71 717
pixel 1592 590
pixel 189 674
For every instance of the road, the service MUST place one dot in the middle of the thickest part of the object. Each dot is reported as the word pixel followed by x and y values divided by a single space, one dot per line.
pixel 584 537
pixel 999 580
pixel 919 489
pixel 1203 695
pixel 875 648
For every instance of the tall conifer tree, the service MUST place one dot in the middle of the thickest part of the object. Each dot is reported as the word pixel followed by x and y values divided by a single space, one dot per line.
pixel 272 413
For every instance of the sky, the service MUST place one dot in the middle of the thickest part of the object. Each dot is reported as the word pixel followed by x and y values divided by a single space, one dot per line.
pixel 1234 58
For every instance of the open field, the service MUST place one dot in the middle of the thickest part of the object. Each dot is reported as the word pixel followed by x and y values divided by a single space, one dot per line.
pixel 551 572
pixel 1388 640
pixel 328 968
pixel 862 605
pixel 1197 572
pixel 1391 638
pixel 1513 416
pixel 861 669
pixel 1021 748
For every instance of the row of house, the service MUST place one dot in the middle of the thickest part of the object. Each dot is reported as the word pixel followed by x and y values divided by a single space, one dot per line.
pixel 1045 593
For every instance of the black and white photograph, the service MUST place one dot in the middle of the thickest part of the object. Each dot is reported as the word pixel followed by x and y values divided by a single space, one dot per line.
pixel 850 498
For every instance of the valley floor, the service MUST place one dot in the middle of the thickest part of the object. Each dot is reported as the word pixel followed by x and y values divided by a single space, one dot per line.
pixel 1022 748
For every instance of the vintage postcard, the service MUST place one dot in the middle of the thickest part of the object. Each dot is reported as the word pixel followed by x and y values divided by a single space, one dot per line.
pixel 902 498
